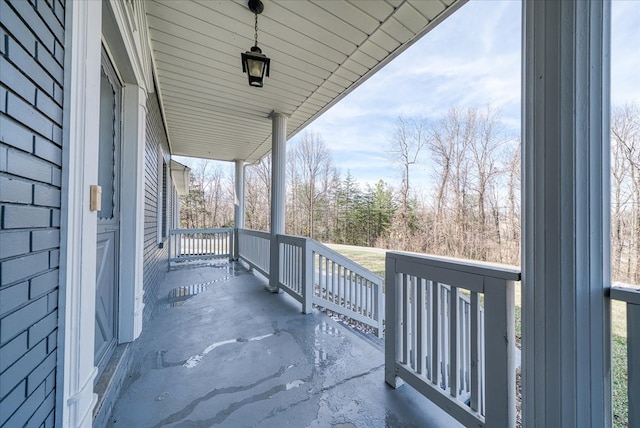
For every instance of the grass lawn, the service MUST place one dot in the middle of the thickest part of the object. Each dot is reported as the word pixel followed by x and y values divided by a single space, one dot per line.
pixel 373 259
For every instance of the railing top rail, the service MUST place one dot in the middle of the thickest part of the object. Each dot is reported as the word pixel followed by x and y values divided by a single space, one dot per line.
pixel 291 239
pixel 211 230
pixel 493 270
pixel 327 252
pixel 258 233
pixel 626 294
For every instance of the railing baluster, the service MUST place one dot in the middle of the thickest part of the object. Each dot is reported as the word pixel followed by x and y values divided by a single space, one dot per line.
pixel 453 341
pixel 354 290
pixel 443 334
pixel 363 296
pixel 481 366
pixel 323 266
pixel 633 369
pixel 349 284
pixel 475 356
pixel 344 293
pixel 294 267
pixel 414 320
pixel 405 317
pixel 435 318
pixel 319 274
pixel 335 298
pixel 288 266
pixel 293 263
pixel 466 368
pixel 356 286
pixel 368 305
pixel 420 328
pixel 300 268
pixel 428 346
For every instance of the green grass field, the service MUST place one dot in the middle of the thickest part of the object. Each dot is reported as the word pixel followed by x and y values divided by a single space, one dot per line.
pixel 374 259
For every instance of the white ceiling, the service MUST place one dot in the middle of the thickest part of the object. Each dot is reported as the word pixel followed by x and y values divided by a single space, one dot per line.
pixel 320 50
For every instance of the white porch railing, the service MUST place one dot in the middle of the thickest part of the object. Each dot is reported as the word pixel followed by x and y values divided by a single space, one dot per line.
pixel 345 287
pixel 632 297
pixel 437 338
pixel 253 248
pixel 296 269
pixel 199 244
pixel 314 274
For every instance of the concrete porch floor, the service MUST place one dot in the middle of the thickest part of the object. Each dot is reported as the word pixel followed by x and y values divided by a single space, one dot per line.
pixel 228 353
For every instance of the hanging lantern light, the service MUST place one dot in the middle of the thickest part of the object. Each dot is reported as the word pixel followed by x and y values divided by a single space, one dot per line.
pixel 254 62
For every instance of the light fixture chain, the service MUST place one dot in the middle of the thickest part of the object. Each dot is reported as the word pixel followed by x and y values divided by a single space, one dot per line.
pixel 255 36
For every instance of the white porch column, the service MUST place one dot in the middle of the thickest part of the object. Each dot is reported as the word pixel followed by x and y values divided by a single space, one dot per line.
pixel 239 211
pixel 278 175
pixel 565 161
pixel 131 304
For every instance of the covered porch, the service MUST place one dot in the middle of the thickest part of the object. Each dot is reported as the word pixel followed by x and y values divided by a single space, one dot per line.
pixel 221 352
pixel 457 348
pixel 447 327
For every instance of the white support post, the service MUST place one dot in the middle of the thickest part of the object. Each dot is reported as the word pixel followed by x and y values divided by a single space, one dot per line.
pixel 499 333
pixel 566 255
pixel 239 205
pixel 278 176
pixel 392 344
pixel 131 304
pixel 76 371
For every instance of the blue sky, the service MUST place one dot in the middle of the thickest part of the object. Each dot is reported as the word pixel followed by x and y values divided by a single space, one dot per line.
pixel 472 59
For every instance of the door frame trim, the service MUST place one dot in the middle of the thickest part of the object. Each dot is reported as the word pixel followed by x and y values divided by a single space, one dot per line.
pixel 84 32
pixel 123 35
pixel 78 226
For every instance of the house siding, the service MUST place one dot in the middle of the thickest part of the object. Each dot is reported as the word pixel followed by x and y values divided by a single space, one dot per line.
pixel 31 87
pixel 155 258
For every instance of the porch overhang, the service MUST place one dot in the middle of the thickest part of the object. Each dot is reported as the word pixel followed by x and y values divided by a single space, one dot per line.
pixel 320 51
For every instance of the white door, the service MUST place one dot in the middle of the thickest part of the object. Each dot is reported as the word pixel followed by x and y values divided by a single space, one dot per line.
pixel 108 235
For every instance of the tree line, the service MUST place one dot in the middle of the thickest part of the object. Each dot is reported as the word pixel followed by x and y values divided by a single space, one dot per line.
pixel 458 192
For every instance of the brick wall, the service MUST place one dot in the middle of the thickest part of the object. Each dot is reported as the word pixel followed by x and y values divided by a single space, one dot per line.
pixel 155 258
pixel 31 60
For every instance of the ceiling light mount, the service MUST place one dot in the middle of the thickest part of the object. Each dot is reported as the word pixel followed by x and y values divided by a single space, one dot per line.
pixel 254 62
pixel 256 6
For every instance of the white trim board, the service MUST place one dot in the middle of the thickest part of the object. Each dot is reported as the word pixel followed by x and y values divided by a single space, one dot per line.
pixel 76 370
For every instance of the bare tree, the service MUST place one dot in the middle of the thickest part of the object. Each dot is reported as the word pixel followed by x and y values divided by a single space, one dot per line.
pixel 314 161
pixel 484 152
pixel 513 198
pixel 625 152
pixel 258 194
pixel 404 150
